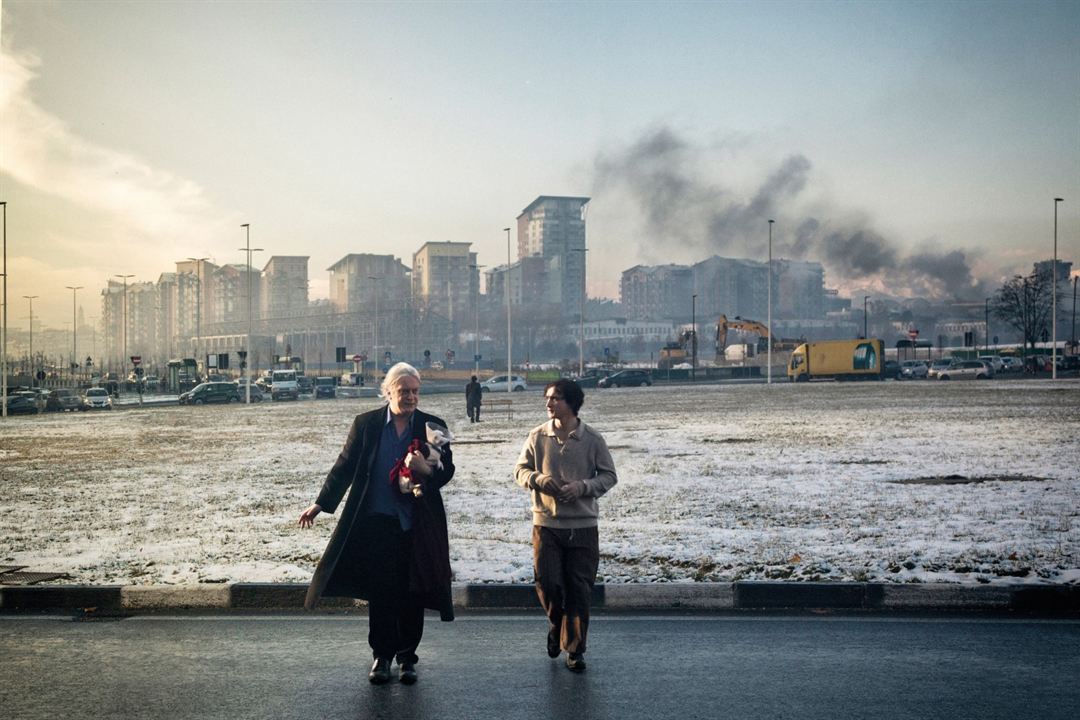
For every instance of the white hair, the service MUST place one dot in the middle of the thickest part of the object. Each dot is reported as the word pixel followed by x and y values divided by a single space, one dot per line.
pixel 394 374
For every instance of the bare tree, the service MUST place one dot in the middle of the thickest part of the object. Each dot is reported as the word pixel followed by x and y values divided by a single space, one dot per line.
pixel 1026 303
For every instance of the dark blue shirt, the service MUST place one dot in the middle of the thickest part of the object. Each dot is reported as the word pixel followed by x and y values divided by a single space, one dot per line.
pixel 384 498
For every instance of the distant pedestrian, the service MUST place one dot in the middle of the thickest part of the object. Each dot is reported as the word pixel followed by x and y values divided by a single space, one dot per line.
pixel 474 398
pixel 389 547
pixel 567 466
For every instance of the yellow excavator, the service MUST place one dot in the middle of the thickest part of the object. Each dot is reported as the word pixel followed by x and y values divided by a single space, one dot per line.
pixel 723 325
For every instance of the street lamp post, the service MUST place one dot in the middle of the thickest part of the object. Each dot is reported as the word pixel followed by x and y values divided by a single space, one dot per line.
pixel 3 327
pixel 1053 291
pixel 864 323
pixel 476 313
pixel 74 330
pixel 986 324
pixel 509 326
pixel 375 334
pixel 768 339
pixel 33 379
pixel 693 336
pixel 581 314
pixel 250 358
pixel 124 358
pixel 198 305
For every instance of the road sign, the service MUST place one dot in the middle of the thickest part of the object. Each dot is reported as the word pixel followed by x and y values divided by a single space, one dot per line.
pixel 357 358
pixel 136 359
pixel 913 333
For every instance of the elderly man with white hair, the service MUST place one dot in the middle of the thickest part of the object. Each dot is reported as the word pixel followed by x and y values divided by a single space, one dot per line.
pixel 389 547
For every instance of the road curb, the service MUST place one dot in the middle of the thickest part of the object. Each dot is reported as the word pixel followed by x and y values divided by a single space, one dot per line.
pixel 1050 600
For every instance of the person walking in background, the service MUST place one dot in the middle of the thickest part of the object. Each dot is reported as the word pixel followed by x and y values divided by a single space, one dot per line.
pixel 567 467
pixel 389 547
pixel 474 397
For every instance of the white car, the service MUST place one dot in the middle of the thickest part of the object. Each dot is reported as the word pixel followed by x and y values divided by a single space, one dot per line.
pixel 913 370
pixel 96 398
pixel 993 361
pixel 498 382
pixel 937 366
pixel 1012 364
pixel 967 370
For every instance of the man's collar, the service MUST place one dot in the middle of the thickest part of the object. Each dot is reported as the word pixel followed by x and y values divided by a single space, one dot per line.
pixel 390 416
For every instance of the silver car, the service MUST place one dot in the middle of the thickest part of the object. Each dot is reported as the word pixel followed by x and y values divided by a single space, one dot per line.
pixel 913 370
pixel 97 398
pixel 967 370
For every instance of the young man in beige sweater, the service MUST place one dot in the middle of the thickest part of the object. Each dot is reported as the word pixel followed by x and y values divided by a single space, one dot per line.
pixel 567 466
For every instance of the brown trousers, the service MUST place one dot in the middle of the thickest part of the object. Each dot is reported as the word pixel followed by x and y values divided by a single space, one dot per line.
pixel 564 564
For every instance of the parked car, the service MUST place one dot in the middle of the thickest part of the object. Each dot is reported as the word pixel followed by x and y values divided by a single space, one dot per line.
pixel 62 400
pixel 97 398
pixel 591 377
pixel 937 366
pixel 305 384
pixel 913 370
pixel 967 370
pixel 256 391
pixel 891 370
pixel 24 402
pixel 1068 363
pixel 626 378
pixel 325 387
pixel 499 382
pixel 211 392
pixel 994 361
pixel 1011 364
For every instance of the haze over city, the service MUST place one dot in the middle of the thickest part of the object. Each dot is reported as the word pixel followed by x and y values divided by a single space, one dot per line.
pixel 912 149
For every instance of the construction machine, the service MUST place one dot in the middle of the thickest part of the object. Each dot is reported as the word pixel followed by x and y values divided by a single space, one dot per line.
pixel 723 325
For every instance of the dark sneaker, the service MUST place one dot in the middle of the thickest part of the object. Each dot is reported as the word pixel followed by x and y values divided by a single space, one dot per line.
pixel 576 662
pixel 380 672
pixel 553 644
pixel 407 673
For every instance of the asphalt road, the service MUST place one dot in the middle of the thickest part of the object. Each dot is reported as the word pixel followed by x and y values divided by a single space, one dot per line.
pixel 494 666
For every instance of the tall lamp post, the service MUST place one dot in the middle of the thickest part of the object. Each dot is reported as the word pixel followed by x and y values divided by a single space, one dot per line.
pixel 375 334
pixel 986 323
pixel 124 357
pixel 693 336
pixel 476 318
pixel 198 304
pixel 3 328
pixel 581 314
pixel 768 339
pixel 864 323
pixel 1053 291
pixel 74 330
pixel 250 359
pixel 33 379
pixel 509 326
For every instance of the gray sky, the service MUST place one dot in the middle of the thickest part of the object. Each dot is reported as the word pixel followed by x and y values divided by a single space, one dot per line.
pixel 910 147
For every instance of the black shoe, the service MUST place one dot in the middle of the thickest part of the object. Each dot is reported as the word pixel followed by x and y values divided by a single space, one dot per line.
pixel 575 662
pixel 553 644
pixel 380 672
pixel 407 673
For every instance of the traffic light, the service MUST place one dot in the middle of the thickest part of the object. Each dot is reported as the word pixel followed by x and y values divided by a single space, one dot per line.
pixel 339 354
pixel 223 361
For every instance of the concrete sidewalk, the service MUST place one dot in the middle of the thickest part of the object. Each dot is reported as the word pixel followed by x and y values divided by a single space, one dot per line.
pixel 1043 600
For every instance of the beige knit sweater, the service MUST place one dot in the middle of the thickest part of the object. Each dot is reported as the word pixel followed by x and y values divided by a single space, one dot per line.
pixel 584 456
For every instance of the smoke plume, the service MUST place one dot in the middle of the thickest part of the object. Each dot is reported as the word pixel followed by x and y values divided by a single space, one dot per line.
pixel 678 194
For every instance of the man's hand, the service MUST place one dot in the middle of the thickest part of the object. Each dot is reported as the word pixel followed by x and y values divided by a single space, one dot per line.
pixel 571 491
pixel 420 465
pixel 307 518
pixel 547 485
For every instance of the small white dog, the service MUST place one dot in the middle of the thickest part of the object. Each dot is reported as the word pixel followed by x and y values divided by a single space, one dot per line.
pixel 438 438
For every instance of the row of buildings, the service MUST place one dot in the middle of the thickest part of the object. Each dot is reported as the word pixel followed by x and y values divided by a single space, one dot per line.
pixel 382 309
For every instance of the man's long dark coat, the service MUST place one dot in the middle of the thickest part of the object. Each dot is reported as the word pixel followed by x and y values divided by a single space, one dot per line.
pixel 429 572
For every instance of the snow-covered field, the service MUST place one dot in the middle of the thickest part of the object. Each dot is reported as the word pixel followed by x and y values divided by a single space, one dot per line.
pixel 902 482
